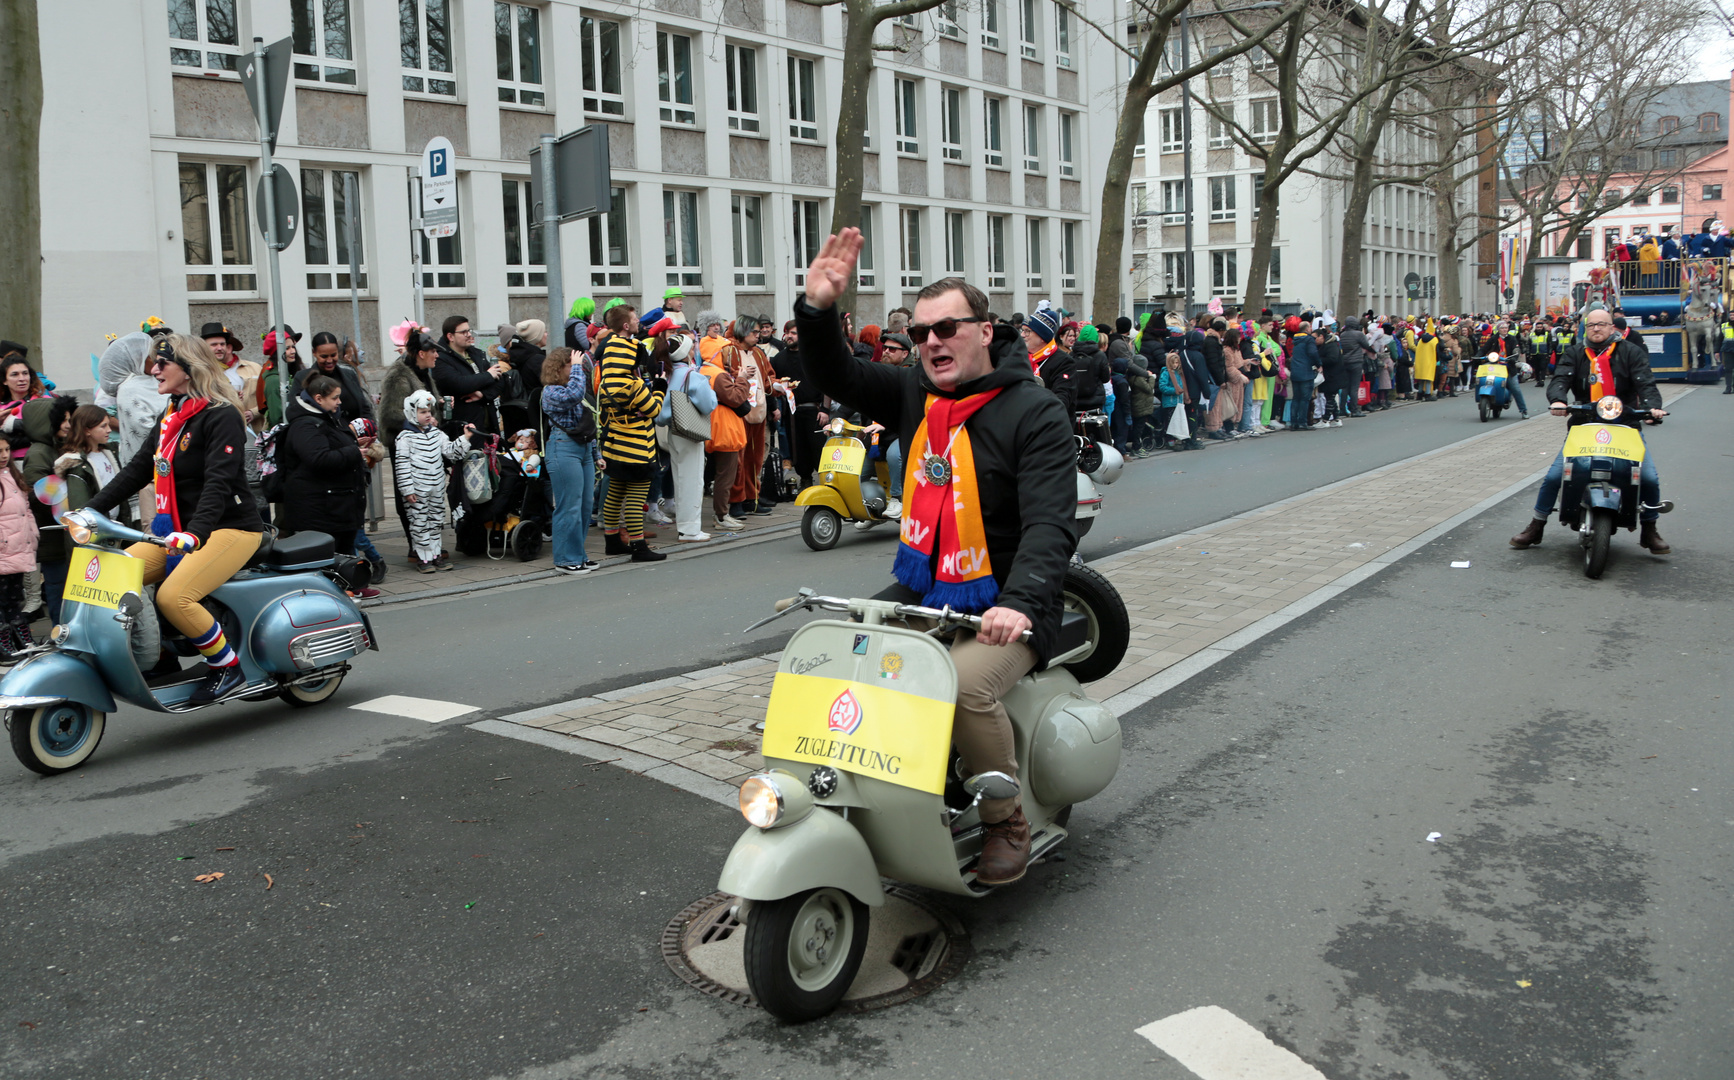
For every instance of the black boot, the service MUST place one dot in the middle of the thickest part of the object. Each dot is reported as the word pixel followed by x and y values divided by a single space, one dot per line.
pixel 1531 534
pixel 1649 538
pixel 219 682
pixel 641 553
pixel 613 545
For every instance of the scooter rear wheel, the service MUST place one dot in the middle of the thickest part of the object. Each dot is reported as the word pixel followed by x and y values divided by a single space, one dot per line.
pixel 1086 591
pixel 802 952
pixel 821 528
pixel 308 694
pixel 56 738
pixel 1595 553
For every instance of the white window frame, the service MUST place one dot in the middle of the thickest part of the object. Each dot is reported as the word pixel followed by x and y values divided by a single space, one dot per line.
pixel 593 32
pixel 325 206
pixel 1173 202
pixel 1219 132
pixel 422 73
pixel 741 65
pixel 906 104
pixel 1138 148
pixel 1273 274
pixel 219 57
pixel 517 86
pixel 310 31
pixel 610 244
pixel 1266 118
pixel 1029 32
pixel 866 274
pixel 993 131
pixel 1062 36
pixel 528 272
pixel 1032 138
pixel 1225 272
pixel 747 225
pixel 946 22
pixel 1068 129
pixel 804 100
pixel 1068 254
pixel 1033 229
pixel 683 262
pixel 909 247
pixel 807 234
pixel 672 108
pixel 956 242
pixel 951 123
pixel 226 230
pixel 990 27
pixel 1174 273
pixel 996 278
pixel 1138 202
pixel 1222 197
pixel 1261 59
pixel 1173 130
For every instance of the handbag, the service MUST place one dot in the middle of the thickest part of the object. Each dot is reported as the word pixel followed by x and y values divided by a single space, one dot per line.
pixel 480 476
pixel 684 419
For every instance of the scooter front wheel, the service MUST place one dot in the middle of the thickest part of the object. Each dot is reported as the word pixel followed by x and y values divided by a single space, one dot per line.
pixel 1482 406
pixel 802 952
pixel 56 738
pixel 1595 553
pixel 821 528
pixel 303 695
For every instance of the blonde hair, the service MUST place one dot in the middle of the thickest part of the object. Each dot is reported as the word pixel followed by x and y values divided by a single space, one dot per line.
pixel 209 379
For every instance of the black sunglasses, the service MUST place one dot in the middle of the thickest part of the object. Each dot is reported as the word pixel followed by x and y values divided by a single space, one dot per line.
pixel 944 329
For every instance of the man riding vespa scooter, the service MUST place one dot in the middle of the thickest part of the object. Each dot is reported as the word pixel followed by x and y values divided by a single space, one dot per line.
pixel 988 500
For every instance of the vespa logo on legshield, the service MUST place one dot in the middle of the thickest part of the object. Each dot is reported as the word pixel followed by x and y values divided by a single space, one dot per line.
pixel 1604 436
pixel 93 569
pixel 845 714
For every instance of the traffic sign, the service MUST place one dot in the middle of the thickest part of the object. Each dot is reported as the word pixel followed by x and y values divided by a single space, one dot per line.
pixel 272 82
pixel 581 175
pixel 439 187
pixel 1412 285
pixel 288 207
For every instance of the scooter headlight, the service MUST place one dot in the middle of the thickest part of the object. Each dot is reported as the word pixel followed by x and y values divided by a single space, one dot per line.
pixel 837 425
pixel 1610 407
pixel 76 528
pixel 771 799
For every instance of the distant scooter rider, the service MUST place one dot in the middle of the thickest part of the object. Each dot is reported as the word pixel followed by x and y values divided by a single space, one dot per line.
pixel 1603 364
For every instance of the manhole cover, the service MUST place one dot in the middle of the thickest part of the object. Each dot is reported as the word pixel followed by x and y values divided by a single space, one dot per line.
pixel 912 947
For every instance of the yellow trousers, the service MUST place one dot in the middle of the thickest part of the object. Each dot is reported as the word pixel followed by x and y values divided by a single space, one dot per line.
pixel 196 576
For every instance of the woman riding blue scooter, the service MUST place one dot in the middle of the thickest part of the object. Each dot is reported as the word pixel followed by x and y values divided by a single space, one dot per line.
pixel 204 510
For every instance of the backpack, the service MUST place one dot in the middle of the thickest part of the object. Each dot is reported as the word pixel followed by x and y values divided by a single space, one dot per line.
pixel 270 476
pixel 481 476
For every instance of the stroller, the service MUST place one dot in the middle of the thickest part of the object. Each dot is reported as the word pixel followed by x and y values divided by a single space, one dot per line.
pixel 516 512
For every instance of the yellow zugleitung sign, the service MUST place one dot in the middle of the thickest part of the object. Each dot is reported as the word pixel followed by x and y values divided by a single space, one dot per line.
pixel 843 455
pixel 101 578
pixel 1494 371
pixel 1604 440
pixel 899 738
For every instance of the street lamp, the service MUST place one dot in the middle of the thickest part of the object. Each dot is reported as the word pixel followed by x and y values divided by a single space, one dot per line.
pixel 1186 129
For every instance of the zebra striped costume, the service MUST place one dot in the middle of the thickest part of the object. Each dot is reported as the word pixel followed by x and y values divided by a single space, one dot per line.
pixel 419 466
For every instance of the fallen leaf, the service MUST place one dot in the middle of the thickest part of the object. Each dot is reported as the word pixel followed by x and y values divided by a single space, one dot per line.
pixel 225 849
pixel 27 1024
pixel 1646 757
pixel 478 856
pixel 1525 983
pixel 216 876
pixel 269 881
pixel 502 778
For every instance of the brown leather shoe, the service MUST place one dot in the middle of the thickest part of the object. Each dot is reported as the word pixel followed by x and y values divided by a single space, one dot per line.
pixel 1531 534
pixel 1006 853
pixel 1648 537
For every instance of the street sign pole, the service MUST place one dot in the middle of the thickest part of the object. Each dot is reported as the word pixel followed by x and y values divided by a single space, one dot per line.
pixel 267 139
pixel 551 244
pixel 418 239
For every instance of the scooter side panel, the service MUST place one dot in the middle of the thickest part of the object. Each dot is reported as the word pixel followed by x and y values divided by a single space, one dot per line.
pixel 58 675
pixel 276 609
pixel 819 850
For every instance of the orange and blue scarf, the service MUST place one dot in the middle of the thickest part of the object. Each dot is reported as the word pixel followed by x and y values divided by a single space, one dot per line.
pixel 943 516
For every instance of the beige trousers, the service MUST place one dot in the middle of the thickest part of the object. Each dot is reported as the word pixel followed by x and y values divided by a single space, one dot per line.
pixel 981 729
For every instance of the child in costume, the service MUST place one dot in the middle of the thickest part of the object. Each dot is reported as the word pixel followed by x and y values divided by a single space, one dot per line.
pixel 420 466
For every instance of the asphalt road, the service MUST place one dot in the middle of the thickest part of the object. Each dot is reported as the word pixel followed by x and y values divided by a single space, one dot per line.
pixel 1263 850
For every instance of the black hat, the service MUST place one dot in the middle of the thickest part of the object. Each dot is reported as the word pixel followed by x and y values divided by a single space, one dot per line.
pixel 217 329
pixel 1122 325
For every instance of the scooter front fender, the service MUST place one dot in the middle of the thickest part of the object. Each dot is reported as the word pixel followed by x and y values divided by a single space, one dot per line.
pixel 57 676
pixel 821 495
pixel 818 851
pixel 1603 497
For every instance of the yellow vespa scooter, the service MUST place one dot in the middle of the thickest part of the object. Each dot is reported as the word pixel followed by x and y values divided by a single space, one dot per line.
pixel 849 486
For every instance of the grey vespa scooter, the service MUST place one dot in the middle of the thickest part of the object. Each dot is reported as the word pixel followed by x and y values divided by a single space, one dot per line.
pixel 293 627
pixel 860 780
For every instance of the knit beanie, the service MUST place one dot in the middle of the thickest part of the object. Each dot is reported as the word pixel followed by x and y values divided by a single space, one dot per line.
pixel 1123 325
pixel 532 330
pixel 1045 323
pixel 1088 333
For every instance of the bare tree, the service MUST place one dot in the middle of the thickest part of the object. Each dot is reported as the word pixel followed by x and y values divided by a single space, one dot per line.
pixel 20 182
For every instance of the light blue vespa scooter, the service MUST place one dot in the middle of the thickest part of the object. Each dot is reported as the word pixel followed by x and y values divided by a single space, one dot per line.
pixel 290 622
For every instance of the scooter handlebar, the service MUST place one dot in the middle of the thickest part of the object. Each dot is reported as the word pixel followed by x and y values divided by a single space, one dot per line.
pixel 945 616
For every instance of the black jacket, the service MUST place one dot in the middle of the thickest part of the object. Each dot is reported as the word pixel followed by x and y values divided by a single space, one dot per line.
pixel 1633 381
pixel 1333 371
pixel 210 475
pixel 459 377
pixel 1026 460
pixel 1214 362
pixel 1059 373
pixel 1093 373
pixel 324 475
pixel 355 403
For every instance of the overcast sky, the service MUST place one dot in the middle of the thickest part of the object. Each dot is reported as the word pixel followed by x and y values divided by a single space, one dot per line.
pixel 1718 56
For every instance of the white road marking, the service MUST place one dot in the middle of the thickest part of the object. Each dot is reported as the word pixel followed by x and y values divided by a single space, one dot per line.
pixel 1218 1045
pixel 415 708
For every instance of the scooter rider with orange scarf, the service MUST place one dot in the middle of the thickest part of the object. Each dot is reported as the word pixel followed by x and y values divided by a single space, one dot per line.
pixel 204 509
pixel 988 500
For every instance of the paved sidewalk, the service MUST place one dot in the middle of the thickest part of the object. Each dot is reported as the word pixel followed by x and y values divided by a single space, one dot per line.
pixel 1186 594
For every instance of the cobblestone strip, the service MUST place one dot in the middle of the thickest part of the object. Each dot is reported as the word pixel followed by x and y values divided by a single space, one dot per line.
pixel 1193 599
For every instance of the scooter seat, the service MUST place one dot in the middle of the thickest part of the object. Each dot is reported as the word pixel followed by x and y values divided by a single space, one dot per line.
pixel 298 551
pixel 1074 631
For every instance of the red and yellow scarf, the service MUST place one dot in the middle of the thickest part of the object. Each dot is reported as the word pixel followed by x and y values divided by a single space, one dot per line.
pixel 942 512
pixel 168 515
pixel 1601 371
pixel 1041 354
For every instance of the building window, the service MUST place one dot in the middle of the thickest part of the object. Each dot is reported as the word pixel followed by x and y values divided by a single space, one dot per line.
pixel 804 99
pixel 424 30
pixel 951 124
pixel 1033 252
pixel 320 30
pixel 904 101
pixel 1585 246
pixel 1221 128
pixel 1265 119
pixel 1610 240
pixel 1669 124
pixel 993 139
pixel 325 237
pixel 996 251
pixel 674 78
pixel 1140 202
pixel 945 19
pixel 1173 202
pixel 1173 131
pixel 1068 254
pixel 599 48
pixel 1174 277
pixel 1027 32
pixel 807 236
pixel 1032 138
pixel 865 276
pixel 743 87
pixel 1641 198
pixel 1712 192
pixel 1138 147
pixel 1062 36
pixel 518 53
pixel 1667 159
pixel 1709 123
pixel 1262 59
pixel 1068 123
pixel 990 24
pixel 610 258
pixel 1273 276
pixel 954 242
pixel 1670 195
pixel 204 35
pixel 1224 272
pixel 526 267
pixel 909 247
pixel 745 218
pixel 216 230
pixel 680 238
pixel 1222 198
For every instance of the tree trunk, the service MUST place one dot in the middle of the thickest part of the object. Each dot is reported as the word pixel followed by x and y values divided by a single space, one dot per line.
pixel 1525 286
pixel 1263 236
pixel 1445 230
pixel 20 181
pixel 1354 235
pixel 851 122
pixel 1116 177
